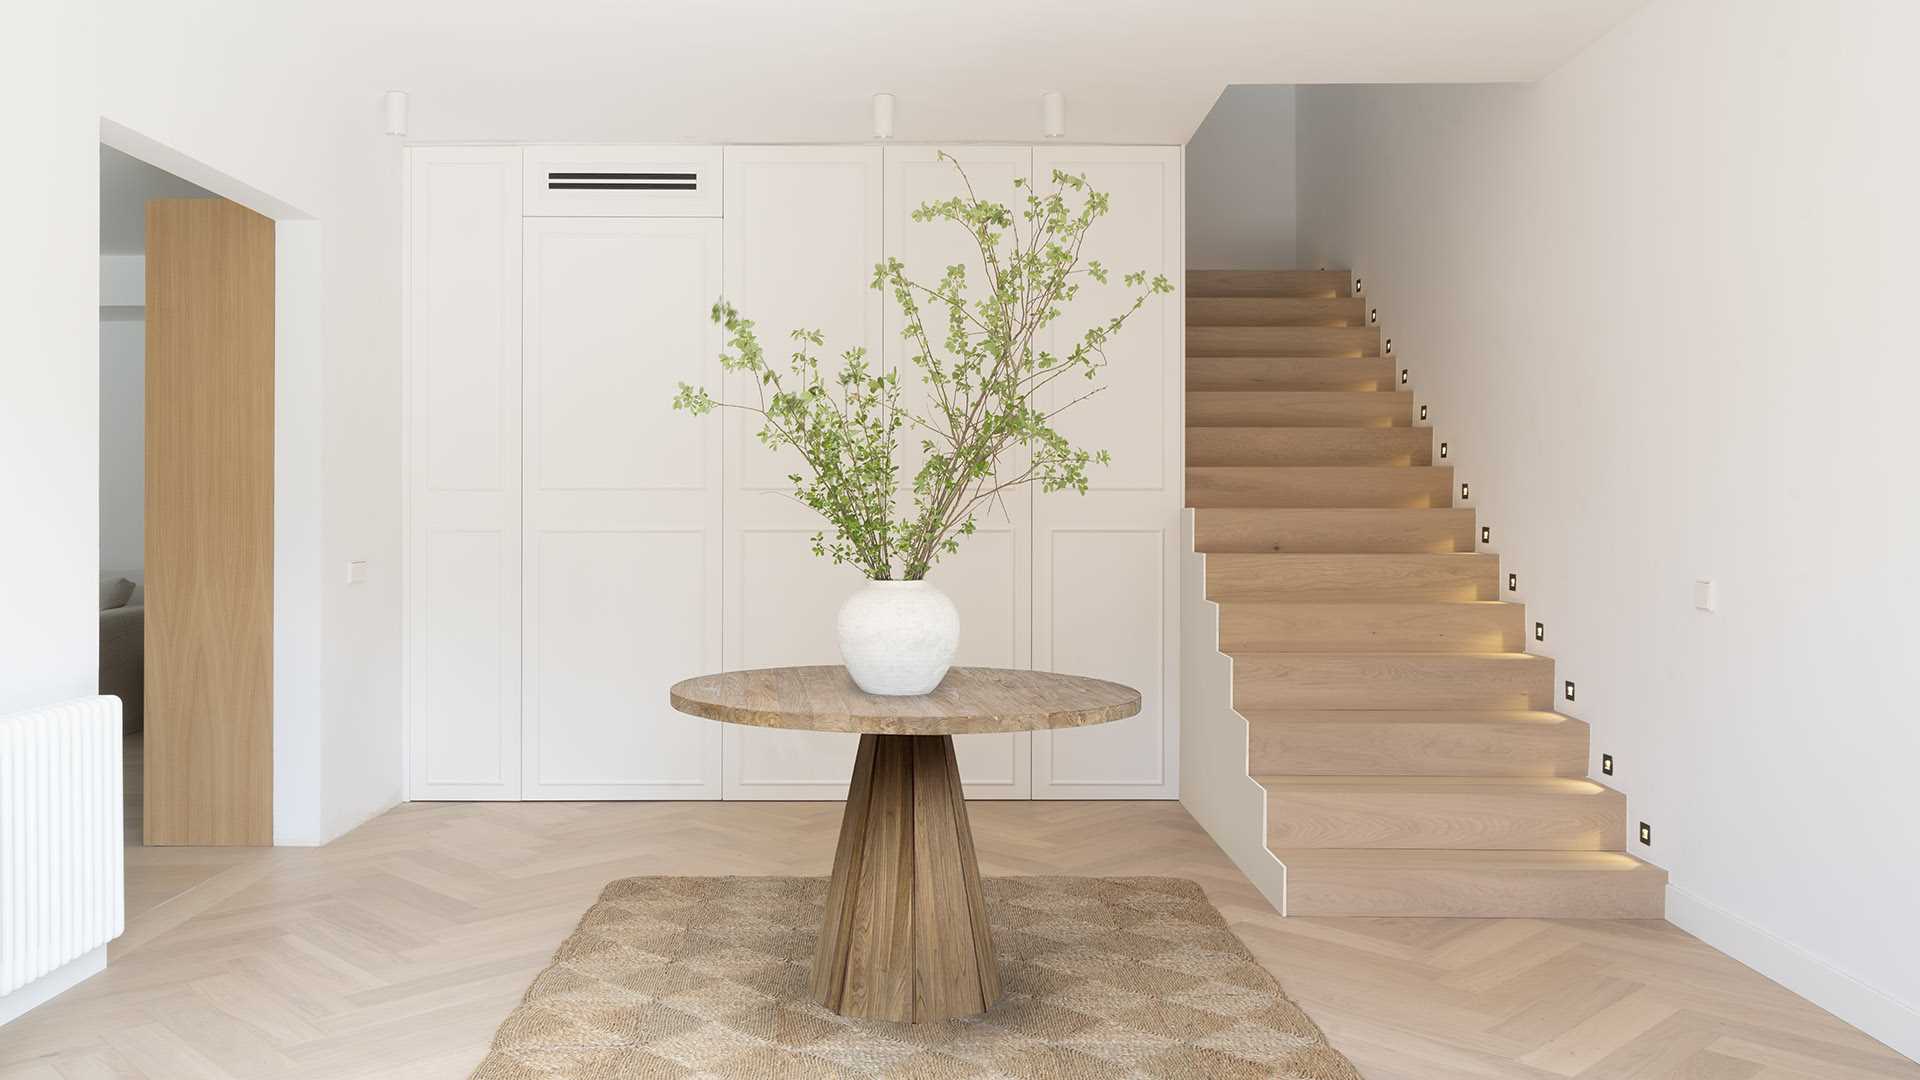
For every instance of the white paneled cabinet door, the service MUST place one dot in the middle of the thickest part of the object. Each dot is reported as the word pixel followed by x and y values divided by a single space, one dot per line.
pixel 463 423
pixel 803 227
pixel 622 507
pixel 991 577
pixel 1105 571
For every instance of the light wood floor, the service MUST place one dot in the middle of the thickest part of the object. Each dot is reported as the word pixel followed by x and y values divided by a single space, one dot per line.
pixel 395 952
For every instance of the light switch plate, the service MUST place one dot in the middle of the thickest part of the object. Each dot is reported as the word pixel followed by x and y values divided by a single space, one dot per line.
pixel 1705 596
pixel 356 572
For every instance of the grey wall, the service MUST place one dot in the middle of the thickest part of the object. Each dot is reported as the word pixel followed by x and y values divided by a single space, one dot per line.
pixel 126 184
pixel 1240 183
pixel 123 451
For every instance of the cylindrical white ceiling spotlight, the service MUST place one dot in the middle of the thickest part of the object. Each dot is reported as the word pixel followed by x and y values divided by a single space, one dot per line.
pixel 883 116
pixel 396 112
pixel 1053 114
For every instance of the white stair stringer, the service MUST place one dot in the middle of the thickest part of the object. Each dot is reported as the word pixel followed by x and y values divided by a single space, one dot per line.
pixel 1215 784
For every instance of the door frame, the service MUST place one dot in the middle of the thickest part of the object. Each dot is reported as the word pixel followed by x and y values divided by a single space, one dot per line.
pixel 297 453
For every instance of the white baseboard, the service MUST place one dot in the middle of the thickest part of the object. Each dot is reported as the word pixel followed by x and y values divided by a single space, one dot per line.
pixel 342 828
pixel 1892 1021
pixel 52 984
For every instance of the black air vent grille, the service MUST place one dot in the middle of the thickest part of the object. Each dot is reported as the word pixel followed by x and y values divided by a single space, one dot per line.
pixel 623 181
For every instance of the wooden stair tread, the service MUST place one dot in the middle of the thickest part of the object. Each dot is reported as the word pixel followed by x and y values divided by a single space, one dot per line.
pixel 1615 862
pixel 1438 785
pixel 1415 742
pixel 1333 530
pixel 1371 624
pixel 1281 447
pixel 1276 311
pixel 1283 341
pixel 1383 680
pixel 1344 576
pixel 1531 813
pixel 1444 883
pixel 1409 486
pixel 1302 283
pixel 1353 373
pixel 1541 717
pixel 1299 408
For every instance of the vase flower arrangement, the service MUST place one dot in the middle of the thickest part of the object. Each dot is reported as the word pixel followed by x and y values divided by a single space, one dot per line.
pixel 977 345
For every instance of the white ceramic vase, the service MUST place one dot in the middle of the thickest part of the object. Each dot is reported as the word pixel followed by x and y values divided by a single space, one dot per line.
pixel 898 637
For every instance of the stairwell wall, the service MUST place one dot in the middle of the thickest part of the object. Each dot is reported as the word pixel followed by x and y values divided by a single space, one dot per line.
pixel 1240 182
pixel 1652 302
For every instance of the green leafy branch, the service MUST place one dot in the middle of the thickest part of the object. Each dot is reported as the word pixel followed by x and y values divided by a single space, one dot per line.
pixel 981 347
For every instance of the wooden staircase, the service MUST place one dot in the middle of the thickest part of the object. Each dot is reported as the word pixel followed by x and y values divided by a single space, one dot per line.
pixel 1408 744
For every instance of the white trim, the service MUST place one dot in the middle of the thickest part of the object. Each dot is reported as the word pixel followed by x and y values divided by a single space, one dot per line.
pixel 52 984
pixel 1216 785
pixel 299 361
pixel 335 832
pixel 1879 1014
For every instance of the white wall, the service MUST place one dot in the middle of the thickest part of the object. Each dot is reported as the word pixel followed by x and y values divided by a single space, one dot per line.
pixel 1240 182
pixel 282 127
pixel 1657 301
pixel 49 379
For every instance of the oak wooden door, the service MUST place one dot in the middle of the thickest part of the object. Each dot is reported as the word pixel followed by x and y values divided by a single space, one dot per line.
pixel 209 524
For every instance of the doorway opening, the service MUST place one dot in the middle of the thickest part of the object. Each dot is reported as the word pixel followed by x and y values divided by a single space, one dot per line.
pixel 186 519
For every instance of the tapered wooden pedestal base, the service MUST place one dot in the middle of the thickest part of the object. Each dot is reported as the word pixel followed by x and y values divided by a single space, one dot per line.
pixel 905 936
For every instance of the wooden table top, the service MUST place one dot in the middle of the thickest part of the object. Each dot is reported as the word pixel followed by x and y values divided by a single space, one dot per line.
pixel 969 701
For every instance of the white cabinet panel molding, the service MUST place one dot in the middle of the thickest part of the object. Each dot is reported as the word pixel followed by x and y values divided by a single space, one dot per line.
pixel 1105 568
pixel 803 232
pixel 574 546
pixel 622 507
pixel 991 578
pixel 463 451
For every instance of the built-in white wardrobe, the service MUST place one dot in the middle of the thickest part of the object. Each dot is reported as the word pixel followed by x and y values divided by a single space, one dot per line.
pixel 575 546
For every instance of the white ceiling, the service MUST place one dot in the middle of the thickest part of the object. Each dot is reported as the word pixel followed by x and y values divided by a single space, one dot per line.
pixel 126 183
pixel 804 70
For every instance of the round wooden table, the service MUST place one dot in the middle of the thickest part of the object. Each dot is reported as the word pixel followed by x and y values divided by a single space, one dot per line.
pixel 905 936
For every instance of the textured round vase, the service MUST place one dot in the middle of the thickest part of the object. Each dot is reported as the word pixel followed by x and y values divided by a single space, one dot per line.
pixel 898 637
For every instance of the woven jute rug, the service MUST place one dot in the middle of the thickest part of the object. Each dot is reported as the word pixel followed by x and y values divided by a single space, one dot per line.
pixel 1102 978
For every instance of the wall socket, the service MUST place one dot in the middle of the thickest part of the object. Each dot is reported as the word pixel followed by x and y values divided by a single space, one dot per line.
pixel 356 572
pixel 1705 596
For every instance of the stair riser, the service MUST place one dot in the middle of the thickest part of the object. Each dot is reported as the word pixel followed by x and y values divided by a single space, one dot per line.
pixel 1309 446
pixel 1350 373
pixel 1475 822
pixel 1352 578
pixel 1293 681
pixel 1474 893
pixel 1319 486
pixel 1372 628
pixel 1216 408
pixel 1275 311
pixel 1283 341
pixel 1222 530
pixel 1299 283
pixel 1417 748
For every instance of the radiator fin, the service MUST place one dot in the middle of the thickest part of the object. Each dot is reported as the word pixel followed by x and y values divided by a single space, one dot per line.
pixel 62 859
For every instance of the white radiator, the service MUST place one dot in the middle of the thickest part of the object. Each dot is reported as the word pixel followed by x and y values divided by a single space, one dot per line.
pixel 62 864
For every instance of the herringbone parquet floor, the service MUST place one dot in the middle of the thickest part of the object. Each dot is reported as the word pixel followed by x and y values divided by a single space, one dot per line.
pixel 394 953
